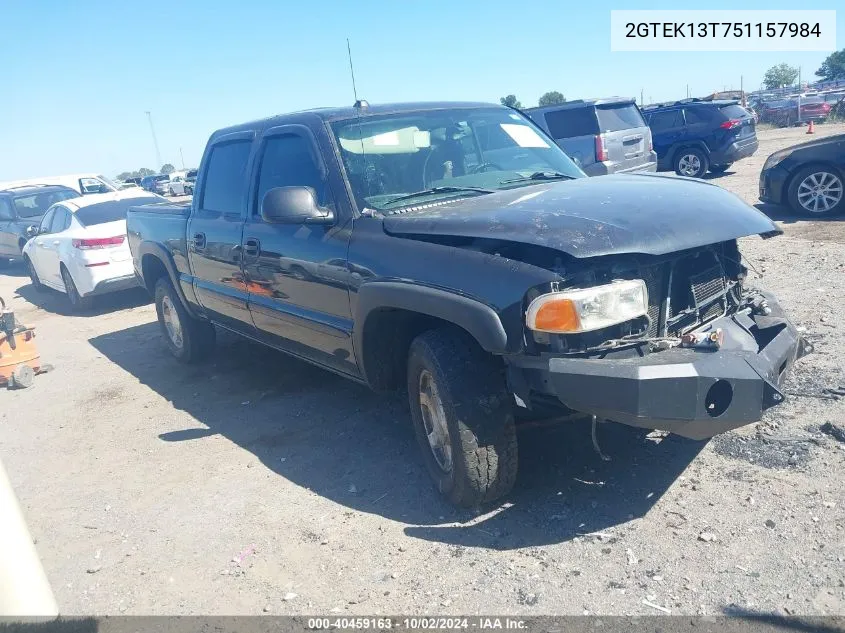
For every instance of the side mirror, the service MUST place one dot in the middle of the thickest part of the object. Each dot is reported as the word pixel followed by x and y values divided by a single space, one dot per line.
pixel 294 205
pixel 31 231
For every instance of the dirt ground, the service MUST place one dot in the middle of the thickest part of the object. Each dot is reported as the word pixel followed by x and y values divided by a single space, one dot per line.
pixel 259 484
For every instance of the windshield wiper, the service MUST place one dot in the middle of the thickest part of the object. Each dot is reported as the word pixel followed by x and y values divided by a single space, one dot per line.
pixel 539 175
pixel 433 190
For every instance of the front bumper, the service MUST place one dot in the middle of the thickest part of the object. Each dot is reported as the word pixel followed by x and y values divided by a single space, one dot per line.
pixel 772 185
pixel 691 392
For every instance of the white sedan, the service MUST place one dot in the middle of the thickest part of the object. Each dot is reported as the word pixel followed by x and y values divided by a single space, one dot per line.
pixel 80 247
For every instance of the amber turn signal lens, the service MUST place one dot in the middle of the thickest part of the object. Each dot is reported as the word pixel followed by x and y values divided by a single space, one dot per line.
pixel 557 316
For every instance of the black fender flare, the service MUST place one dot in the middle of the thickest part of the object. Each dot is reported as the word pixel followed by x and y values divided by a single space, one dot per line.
pixel 683 145
pixel 479 319
pixel 161 253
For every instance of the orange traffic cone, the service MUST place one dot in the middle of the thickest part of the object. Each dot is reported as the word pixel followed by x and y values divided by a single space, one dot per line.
pixel 811 128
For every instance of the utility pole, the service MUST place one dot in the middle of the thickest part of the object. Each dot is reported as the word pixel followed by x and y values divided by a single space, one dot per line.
pixel 155 141
pixel 687 91
pixel 182 156
pixel 641 98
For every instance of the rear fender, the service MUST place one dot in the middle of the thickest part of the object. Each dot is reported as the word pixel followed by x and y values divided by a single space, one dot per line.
pixel 153 249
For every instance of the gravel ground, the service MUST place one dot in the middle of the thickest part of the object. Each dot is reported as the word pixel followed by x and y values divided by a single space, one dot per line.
pixel 258 484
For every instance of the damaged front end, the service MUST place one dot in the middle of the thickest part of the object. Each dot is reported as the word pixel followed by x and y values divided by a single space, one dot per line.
pixel 704 355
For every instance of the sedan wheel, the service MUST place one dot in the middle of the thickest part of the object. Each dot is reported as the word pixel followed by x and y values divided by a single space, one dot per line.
pixel 819 192
pixel 33 276
pixel 77 301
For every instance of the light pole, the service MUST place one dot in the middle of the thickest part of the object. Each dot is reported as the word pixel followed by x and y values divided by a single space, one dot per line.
pixel 155 141
pixel 182 156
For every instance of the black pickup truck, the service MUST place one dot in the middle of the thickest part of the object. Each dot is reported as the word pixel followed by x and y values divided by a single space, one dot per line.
pixel 453 250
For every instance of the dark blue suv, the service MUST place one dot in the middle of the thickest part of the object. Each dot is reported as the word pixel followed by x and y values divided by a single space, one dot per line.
pixel 694 136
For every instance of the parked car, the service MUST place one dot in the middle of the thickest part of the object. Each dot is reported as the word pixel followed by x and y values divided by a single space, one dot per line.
pixel 694 137
pixel 179 186
pixel 82 183
pixel 80 248
pixel 467 259
pixel 128 185
pixel 22 208
pixel 603 136
pixel 156 184
pixel 786 113
pixel 808 177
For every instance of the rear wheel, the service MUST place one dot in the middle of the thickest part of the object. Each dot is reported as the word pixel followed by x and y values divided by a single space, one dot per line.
pixel 817 191
pixel 691 162
pixel 190 340
pixel 719 169
pixel 463 417
pixel 77 301
pixel 33 276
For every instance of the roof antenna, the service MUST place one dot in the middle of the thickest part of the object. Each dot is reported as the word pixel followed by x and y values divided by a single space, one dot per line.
pixel 358 104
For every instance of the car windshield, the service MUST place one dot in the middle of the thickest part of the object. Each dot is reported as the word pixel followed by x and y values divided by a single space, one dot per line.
pixel 35 205
pixel 444 153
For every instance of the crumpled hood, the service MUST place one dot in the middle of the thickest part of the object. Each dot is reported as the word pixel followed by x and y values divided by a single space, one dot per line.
pixel 590 217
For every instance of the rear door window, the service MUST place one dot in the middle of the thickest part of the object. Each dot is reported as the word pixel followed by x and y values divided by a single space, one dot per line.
pixel 664 121
pixel 225 178
pixel 695 115
pixel 619 117
pixel 61 220
pixel 572 122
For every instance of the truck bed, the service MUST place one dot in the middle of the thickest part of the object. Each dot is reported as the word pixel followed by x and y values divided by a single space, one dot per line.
pixel 162 223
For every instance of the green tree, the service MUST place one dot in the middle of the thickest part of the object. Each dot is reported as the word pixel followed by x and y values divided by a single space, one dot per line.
pixel 833 67
pixel 124 175
pixel 780 76
pixel 511 102
pixel 144 171
pixel 551 98
pixel 167 168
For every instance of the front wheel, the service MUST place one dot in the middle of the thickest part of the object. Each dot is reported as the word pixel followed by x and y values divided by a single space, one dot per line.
pixel 691 162
pixel 190 340
pixel 33 276
pixel 463 417
pixel 817 191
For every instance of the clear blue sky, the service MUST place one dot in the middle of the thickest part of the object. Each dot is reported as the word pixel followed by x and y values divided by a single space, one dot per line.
pixel 78 76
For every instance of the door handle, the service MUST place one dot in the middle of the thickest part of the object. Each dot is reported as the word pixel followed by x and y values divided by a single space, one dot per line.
pixel 252 247
pixel 199 240
pixel 56 242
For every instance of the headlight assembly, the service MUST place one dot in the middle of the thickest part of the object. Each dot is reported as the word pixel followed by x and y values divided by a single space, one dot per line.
pixel 588 309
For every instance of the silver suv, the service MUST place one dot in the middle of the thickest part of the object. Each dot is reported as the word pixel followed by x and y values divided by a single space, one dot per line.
pixel 604 136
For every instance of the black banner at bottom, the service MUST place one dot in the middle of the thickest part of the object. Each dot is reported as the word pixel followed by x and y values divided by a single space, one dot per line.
pixel 533 624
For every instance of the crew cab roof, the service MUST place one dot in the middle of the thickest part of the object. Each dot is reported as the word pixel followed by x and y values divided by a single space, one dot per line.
pixel 350 112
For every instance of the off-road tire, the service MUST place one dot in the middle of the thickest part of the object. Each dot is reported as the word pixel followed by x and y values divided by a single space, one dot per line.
pixel 78 303
pixel 197 336
pixel 479 416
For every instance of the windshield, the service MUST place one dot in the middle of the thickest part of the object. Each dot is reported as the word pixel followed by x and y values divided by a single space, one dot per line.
pixel 390 156
pixel 36 205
